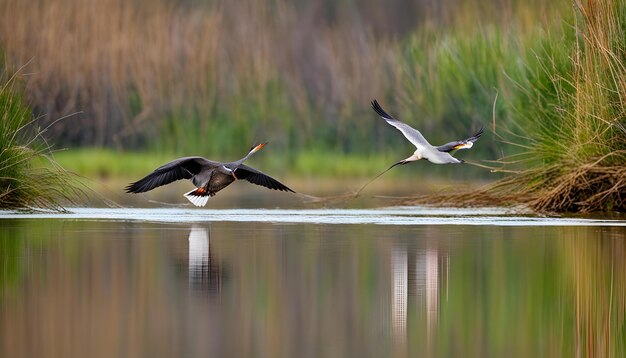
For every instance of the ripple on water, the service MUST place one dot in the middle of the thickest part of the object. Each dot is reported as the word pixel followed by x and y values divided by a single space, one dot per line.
pixel 383 216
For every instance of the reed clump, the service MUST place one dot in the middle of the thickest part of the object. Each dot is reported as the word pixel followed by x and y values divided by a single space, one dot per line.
pixel 576 146
pixel 572 149
pixel 24 185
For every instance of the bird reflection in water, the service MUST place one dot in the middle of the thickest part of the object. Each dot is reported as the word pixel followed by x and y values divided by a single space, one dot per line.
pixel 418 278
pixel 399 273
pixel 204 268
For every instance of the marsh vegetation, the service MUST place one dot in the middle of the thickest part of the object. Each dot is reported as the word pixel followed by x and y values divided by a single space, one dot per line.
pixel 24 181
pixel 213 78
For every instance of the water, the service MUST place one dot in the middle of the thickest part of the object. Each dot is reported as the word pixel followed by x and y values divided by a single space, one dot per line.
pixel 310 283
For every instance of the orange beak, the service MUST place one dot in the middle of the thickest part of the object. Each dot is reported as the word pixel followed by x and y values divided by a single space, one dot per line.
pixel 258 147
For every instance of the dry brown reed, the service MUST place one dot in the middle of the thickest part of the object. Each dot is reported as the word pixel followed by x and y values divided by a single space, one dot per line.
pixel 127 66
pixel 95 57
pixel 574 156
pixel 139 69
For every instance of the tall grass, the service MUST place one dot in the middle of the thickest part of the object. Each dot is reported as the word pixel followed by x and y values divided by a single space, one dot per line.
pixel 570 113
pixel 575 155
pixel 214 77
pixel 23 185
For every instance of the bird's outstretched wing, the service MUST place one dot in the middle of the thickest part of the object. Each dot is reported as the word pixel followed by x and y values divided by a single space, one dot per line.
pixel 181 168
pixel 412 134
pixel 461 144
pixel 256 177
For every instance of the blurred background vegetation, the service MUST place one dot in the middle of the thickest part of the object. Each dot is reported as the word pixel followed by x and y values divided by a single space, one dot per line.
pixel 214 77
pixel 143 81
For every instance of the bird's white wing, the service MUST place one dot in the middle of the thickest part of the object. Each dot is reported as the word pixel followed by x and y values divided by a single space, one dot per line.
pixel 412 134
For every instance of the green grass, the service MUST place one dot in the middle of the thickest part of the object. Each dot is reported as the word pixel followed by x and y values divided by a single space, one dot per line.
pixel 574 158
pixel 559 85
pixel 216 85
pixel 102 163
pixel 22 184
pixel 95 164
pixel 564 119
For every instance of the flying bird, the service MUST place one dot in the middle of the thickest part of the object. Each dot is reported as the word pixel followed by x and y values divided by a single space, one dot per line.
pixel 208 176
pixel 424 150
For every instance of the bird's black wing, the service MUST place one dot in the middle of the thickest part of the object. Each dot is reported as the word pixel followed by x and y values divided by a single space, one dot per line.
pixel 256 177
pixel 181 168
pixel 461 144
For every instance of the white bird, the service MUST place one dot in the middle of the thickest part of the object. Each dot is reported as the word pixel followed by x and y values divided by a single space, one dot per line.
pixel 424 150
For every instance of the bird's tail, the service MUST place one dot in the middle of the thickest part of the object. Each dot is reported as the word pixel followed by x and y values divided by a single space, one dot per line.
pixel 198 197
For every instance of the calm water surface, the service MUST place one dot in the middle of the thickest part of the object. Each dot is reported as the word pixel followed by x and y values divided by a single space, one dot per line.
pixel 310 283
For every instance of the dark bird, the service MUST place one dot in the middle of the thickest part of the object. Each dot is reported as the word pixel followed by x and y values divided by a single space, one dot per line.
pixel 436 155
pixel 208 176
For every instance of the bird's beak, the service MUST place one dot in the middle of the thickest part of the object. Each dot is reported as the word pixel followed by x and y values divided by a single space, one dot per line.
pixel 467 145
pixel 255 149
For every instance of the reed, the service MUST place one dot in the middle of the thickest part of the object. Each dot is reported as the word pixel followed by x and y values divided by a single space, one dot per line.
pixel 213 78
pixel 22 184
pixel 575 152
pixel 571 150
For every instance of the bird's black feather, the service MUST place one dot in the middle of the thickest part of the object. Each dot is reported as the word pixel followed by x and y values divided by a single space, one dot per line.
pixel 183 168
pixel 379 110
pixel 256 177
pixel 449 147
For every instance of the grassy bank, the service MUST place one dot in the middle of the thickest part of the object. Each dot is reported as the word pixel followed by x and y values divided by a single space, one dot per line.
pixel 571 121
pixel 96 164
pixel 574 158
pixel 23 184
pixel 188 80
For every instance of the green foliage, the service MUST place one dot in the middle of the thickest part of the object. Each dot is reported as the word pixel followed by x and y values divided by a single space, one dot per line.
pixel 23 185
pixel 574 158
pixel 103 163
pixel 552 92
pixel 192 80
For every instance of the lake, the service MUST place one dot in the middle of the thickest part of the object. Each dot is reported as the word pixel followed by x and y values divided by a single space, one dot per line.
pixel 401 281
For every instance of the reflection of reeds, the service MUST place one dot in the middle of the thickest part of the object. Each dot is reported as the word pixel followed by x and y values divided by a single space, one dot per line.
pixel 597 274
pixel 117 288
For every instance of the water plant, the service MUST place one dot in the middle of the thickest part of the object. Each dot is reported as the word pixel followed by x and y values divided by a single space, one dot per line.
pixel 574 155
pixel 571 110
pixel 24 185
